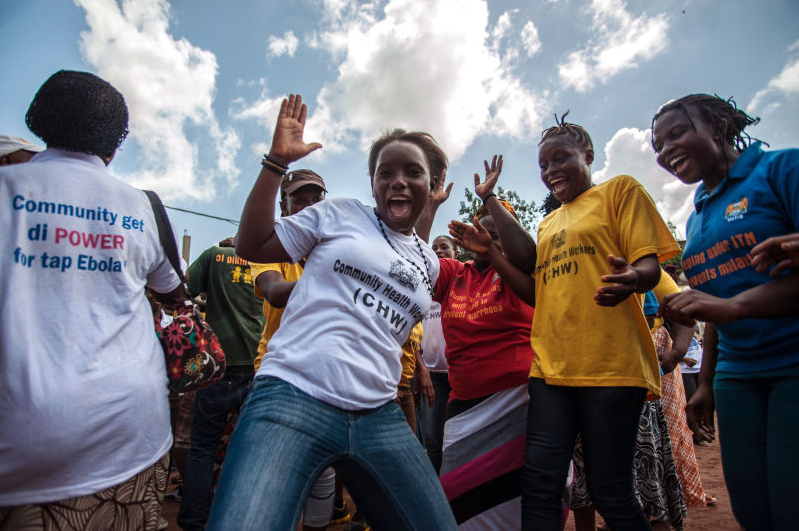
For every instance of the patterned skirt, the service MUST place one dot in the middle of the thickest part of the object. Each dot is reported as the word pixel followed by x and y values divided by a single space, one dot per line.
pixel 134 504
pixel 682 442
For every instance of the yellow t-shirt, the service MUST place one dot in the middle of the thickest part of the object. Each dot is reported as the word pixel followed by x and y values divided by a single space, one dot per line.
pixel 577 342
pixel 409 355
pixel 291 273
pixel 665 286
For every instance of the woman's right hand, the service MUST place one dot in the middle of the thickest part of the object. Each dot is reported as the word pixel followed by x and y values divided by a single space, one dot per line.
pixel 486 188
pixel 287 143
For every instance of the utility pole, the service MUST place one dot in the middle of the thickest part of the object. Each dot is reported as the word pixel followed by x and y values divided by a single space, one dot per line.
pixel 186 246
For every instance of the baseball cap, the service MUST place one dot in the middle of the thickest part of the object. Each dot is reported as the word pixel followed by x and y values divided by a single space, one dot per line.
pixel 10 144
pixel 296 179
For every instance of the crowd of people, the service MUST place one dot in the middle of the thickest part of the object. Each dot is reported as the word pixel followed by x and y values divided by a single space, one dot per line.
pixel 544 375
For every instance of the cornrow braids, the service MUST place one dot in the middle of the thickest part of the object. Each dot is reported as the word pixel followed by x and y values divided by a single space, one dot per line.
pixel 78 111
pixel 726 119
pixel 576 132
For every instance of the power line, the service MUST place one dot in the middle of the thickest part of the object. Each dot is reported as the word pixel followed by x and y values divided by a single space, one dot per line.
pixel 233 221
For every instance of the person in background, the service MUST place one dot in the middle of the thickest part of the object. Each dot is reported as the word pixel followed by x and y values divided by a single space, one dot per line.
pixel 234 313
pixel 432 417
pixel 15 150
pixel 84 415
pixel 745 288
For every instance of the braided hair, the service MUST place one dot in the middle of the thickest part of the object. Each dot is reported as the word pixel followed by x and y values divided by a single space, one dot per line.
pixel 726 119
pixel 577 133
pixel 78 111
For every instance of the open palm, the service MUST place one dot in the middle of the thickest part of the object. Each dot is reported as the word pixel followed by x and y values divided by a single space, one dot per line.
pixel 287 142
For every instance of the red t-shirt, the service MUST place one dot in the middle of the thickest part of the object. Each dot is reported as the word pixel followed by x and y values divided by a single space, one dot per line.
pixel 486 329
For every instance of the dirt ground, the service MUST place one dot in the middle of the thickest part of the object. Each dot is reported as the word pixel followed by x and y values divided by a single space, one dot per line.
pixel 716 518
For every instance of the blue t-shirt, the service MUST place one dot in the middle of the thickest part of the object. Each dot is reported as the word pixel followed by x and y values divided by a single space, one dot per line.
pixel 759 199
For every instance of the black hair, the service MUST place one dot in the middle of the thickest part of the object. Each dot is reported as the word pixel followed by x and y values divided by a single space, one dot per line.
pixel 575 132
pixel 448 237
pixel 724 116
pixel 436 158
pixel 78 111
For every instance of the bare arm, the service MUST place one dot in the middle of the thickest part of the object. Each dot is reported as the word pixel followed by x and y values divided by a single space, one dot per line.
pixel 681 336
pixel 640 277
pixel 256 240
pixel 275 289
pixel 771 300
pixel 518 244
pixel 437 196
pixel 474 238
pixel 701 407
pixel 422 383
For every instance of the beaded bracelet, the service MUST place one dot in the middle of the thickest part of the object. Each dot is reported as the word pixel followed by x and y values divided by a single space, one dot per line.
pixel 489 196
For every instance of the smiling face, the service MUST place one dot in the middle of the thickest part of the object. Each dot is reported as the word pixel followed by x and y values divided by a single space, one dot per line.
pixel 565 167
pixel 689 148
pixel 443 247
pixel 401 185
pixel 306 196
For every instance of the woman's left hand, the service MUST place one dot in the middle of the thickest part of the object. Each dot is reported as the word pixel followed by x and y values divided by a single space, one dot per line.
pixel 439 194
pixel 624 280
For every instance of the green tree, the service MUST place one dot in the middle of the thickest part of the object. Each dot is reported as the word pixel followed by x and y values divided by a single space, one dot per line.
pixel 528 212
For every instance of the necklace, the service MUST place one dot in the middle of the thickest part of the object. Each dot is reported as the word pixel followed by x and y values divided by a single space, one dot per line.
pixel 425 277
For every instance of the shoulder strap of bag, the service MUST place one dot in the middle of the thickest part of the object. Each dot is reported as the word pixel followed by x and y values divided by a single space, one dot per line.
pixel 165 233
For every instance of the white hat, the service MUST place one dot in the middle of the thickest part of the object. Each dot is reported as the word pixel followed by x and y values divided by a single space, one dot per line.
pixel 11 144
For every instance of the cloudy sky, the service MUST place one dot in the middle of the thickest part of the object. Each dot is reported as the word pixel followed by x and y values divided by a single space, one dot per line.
pixel 203 83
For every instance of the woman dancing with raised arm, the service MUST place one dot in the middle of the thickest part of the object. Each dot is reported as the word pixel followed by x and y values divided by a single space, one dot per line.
pixel 325 394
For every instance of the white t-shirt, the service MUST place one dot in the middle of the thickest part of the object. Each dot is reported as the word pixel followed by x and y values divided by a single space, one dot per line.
pixel 695 353
pixel 433 344
pixel 341 333
pixel 83 396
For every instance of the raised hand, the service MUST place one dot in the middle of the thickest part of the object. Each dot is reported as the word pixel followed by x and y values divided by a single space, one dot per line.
pixel 782 250
pixel 287 143
pixel 473 238
pixel 624 280
pixel 483 189
pixel 439 194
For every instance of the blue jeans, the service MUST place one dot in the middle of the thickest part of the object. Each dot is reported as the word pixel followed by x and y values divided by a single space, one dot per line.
pixel 432 419
pixel 608 419
pixel 285 438
pixel 211 408
pixel 758 432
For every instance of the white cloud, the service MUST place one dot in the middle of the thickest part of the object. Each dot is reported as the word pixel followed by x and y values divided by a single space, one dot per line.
pixel 283 46
pixel 431 66
pixel 786 83
pixel 618 42
pixel 630 152
pixel 532 44
pixel 168 84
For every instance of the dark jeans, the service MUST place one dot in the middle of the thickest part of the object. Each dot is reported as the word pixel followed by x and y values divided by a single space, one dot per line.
pixel 211 408
pixel 608 419
pixel 433 418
